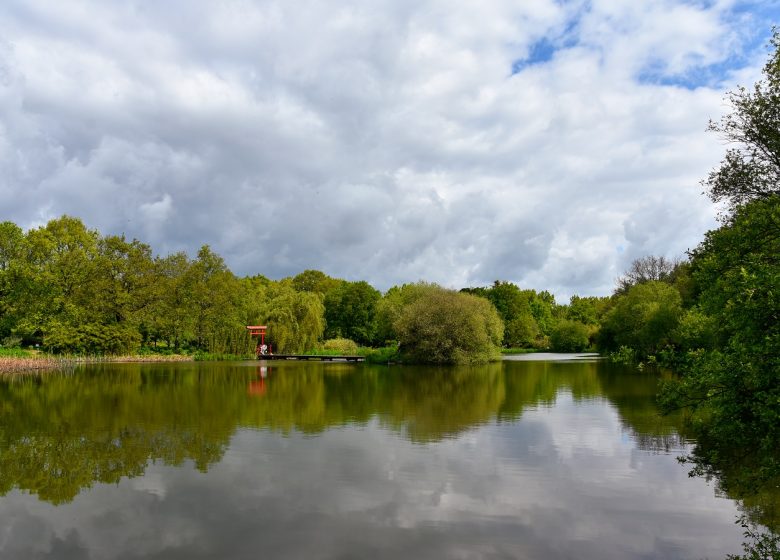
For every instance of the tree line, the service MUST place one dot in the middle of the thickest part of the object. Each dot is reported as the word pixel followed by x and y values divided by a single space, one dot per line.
pixel 69 289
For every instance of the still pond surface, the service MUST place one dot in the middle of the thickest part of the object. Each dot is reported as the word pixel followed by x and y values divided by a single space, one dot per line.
pixel 520 459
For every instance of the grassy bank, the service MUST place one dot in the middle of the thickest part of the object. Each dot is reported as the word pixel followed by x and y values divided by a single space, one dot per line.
pixel 17 360
pixel 510 351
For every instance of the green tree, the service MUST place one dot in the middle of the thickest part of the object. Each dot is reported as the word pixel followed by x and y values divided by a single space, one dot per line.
pixel 751 170
pixel 63 259
pixel 215 293
pixel 543 307
pixel 643 319
pixel 12 250
pixel 696 331
pixel 514 307
pixel 314 281
pixel 444 326
pixel 172 319
pixel 390 307
pixel 569 336
pixel 735 388
pixel 350 312
pixel 295 320
pixel 586 310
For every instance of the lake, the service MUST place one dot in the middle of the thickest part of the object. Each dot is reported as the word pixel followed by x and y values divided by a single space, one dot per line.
pixel 520 459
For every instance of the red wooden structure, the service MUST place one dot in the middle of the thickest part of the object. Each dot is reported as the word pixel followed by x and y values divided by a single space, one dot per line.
pixel 257 387
pixel 259 330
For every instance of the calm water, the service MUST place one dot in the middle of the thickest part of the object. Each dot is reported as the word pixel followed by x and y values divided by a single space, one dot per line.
pixel 522 459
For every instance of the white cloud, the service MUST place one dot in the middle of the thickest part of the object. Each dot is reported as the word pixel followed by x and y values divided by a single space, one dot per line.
pixel 386 141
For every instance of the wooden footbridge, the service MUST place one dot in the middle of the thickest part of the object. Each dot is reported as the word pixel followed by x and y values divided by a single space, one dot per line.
pixel 310 357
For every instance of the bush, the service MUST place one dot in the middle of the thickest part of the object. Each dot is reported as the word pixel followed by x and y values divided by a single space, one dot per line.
pixel 12 342
pixel 569 336
pixel 447 327
pixel 623 355
pixel 385 355
pixel 342 346
pixel 91 339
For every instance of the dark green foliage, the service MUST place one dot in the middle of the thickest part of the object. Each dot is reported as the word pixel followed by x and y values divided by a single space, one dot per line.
pixel 695 331
pixel 737 386
pixel 521 331
pixel 643 319
pixel 12 247
pixel 91 338
pixel 569 336
pixel 350 312
pixel 733 384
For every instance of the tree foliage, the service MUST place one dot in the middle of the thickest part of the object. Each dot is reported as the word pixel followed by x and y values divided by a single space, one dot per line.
pixel 732 380
pixel 447 327
pixel 350 311
pixel 750 170
pixel 527 315
pixel 569 336
pixel 643 319
pixel 737 385
pixel 72 290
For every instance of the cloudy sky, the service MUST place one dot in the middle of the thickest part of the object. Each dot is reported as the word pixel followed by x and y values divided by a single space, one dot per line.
pixel 543 142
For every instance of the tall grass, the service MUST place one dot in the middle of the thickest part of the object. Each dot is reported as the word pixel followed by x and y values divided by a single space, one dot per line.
pixel 216 357
pixel 16 353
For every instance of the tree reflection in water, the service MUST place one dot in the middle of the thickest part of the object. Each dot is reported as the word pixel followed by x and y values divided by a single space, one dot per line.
pixel 62 432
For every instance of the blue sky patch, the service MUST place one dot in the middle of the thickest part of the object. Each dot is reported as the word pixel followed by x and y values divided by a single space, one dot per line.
pixel 716 75
pixel 541 52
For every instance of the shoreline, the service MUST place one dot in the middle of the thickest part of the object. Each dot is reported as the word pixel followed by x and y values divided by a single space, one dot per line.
pixel 36 364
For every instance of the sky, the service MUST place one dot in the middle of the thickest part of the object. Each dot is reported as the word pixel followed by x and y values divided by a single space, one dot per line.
pixel 546 143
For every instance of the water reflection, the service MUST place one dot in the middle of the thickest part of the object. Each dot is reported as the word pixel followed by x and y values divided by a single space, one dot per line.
pixel 61 432
pixel 534 459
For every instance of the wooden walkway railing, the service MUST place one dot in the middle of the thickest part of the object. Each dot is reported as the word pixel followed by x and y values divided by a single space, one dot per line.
pixel 322 358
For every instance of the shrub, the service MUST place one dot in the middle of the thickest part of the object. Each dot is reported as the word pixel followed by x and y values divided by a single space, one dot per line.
pixel 12 342
pixel 569 336
pixel 342 346
pixel 383 355
pixel 446 327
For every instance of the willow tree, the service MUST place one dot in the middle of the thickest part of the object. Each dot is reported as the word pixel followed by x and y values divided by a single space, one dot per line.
pixel 295 320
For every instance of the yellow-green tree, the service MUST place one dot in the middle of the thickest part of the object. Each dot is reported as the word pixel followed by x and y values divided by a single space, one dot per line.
pixel 444 326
